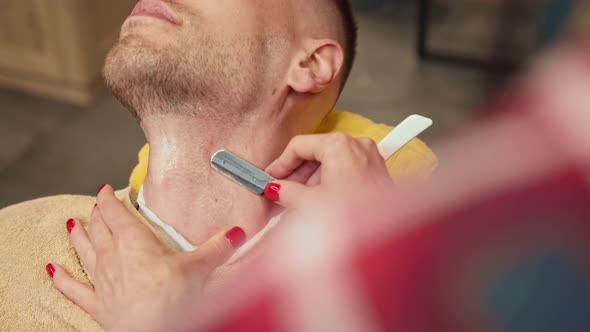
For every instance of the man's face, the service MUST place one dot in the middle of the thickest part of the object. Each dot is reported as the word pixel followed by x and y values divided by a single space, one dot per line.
pixel 209 54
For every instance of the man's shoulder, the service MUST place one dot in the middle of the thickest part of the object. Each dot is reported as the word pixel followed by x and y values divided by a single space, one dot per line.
pixel 34 234
pixel 42 219
pixel 75 205
pixel 415 160
pixel 46 206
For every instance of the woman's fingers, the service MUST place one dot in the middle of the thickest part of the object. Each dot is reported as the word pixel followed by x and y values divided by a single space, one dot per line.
pixel 331 150
pixel 298 167
pixel 214 252
pixel 314 179
pixel 285 193
pixel 300 149
pixel 75 291
pixel 82 245
pixel 98 232
pixel 114 213
pixel 307 170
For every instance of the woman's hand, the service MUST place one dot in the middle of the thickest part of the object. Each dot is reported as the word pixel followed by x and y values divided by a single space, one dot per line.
pixel 326 164
pixel 139 285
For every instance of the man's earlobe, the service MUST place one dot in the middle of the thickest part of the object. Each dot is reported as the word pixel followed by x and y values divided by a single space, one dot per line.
pixel 317 68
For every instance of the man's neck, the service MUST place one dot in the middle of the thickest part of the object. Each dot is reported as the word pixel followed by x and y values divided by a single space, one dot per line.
pixel 182 188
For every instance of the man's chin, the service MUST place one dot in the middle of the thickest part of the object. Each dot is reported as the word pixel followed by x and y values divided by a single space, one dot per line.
pixel 139 72
pixel 133 54
pixel 148 28
pixel 128 65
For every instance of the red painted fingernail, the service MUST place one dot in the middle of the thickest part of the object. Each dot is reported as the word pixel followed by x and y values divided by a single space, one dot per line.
pixel 236 237
pixel 50 269
pixel 101 187
pixel 272 191
pixel 70 225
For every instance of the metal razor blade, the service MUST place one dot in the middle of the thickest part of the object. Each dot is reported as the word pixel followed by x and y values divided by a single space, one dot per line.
pixel 240 171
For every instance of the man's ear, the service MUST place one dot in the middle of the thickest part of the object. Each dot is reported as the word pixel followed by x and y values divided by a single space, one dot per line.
pixel 316 66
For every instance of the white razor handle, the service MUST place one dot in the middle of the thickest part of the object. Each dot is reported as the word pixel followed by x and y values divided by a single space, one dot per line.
pixel 401 135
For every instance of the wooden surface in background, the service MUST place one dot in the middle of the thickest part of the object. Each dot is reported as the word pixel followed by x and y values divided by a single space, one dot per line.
pixel 56 48
pixel 19 25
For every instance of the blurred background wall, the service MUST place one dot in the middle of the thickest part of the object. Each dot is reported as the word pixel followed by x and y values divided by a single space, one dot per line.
pixel 61 132
pixel 56 48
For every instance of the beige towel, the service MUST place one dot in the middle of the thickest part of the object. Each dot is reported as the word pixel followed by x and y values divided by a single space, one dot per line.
pixel 34 234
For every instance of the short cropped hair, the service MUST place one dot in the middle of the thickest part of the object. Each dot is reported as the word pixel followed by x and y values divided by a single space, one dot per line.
pixel 350 31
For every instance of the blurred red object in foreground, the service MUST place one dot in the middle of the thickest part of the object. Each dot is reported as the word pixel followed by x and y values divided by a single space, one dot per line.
pixel 498 241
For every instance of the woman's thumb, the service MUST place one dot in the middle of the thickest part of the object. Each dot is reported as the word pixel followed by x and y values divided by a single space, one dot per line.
pixel 216 251
pixel 286 193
